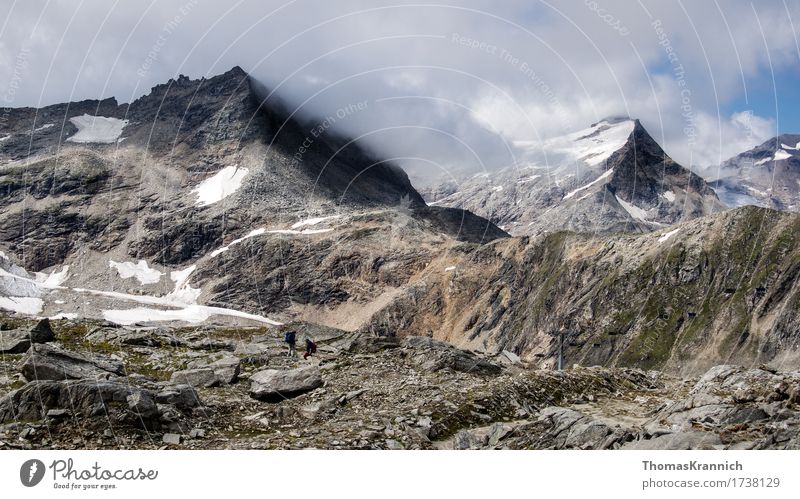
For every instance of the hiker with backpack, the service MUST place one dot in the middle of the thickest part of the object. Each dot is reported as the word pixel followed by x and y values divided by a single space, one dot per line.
pixel 290 337
pixel 311 348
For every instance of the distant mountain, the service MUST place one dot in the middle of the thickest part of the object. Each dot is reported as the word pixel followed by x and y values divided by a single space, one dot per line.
pixel 610 177
pixel 767 175
pixel 143 200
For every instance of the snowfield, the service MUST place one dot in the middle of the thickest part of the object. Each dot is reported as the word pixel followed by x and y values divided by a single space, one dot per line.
pixel 632 209
pixel 602 177
pixel 97 129
pixel 220 185
pixel 22 304
pixel 53 280
pixel 193 314
pixel 141 271
pixel 596 144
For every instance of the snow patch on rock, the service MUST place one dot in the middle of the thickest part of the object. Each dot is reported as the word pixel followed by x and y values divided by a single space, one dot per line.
pixel 22 304
pixel 632 209
pixel 141 271
pixel 313 221
pixel 602 177
pixel 668 235
pixel 220 185
pixel 96 129
pixel 253 233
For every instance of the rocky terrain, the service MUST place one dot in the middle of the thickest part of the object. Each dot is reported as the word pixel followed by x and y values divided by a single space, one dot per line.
pixel 611 177
pixel 767 175
pixel 89 385
pixel 152 254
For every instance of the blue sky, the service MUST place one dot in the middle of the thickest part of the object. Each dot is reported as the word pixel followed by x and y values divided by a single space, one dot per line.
pixel 761 98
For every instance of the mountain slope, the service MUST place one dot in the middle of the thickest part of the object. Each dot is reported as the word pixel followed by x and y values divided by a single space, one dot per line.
pixel 767 175
pixel 720 289
pixel 610 177
pixel 132 197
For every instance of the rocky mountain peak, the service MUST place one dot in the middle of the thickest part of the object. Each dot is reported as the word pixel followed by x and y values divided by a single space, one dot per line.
pixel 766 175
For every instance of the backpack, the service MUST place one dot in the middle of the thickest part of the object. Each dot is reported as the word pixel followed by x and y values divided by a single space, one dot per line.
pixel 289 337
pixel 313 347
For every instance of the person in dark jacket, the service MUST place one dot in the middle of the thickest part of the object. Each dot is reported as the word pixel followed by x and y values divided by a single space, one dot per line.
pixel 311 348
pixel 290 337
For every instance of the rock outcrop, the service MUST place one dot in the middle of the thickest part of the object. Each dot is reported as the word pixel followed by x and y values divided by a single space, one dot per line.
pixel 274 385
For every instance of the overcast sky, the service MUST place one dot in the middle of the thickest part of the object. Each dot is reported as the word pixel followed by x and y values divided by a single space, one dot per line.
pixel 449 85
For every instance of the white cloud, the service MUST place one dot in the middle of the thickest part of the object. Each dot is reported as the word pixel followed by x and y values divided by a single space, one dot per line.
pixel 536 69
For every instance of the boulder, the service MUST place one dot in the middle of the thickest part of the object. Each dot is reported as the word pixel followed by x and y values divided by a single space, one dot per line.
pixel 81 397
pixel 686 440
pixel 142 404
pixel 44 362
pixel 171 439
pixel 435 355
pixel 181 396
pixel 133 337
pixel 252 352
pixel 14 341
pixel 226 367
pixel 42 332
pixel 19 340
pixel 273 385
pixel 372 344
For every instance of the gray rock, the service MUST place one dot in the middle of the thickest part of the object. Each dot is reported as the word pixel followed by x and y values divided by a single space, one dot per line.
pixel 119 336
pixel 42 332
pixel 19 340
pixel 252 351
pixel 274 385
pixel 14 341
pixel 46 362
pixel 435 355
pixel 181 396
pixel 393 445
pixel 57 413
pixel 197 433
pixel 171 439
pixel 203 377
pixel 227 369
pixel 498 432
pixel 142 404
pixel 83 397
pixel 677 441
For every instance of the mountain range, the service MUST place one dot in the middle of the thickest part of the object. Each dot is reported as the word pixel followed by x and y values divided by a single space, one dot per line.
pixel 208 202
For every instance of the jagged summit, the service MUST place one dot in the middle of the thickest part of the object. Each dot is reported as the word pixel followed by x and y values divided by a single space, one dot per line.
pixel 766 175
pixel 132 193
pixel 612 176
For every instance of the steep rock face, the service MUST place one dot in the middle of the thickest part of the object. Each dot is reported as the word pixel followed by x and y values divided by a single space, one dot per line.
pixel 767 175
pixel 610 177
pixel 717 289
pixel 178 174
